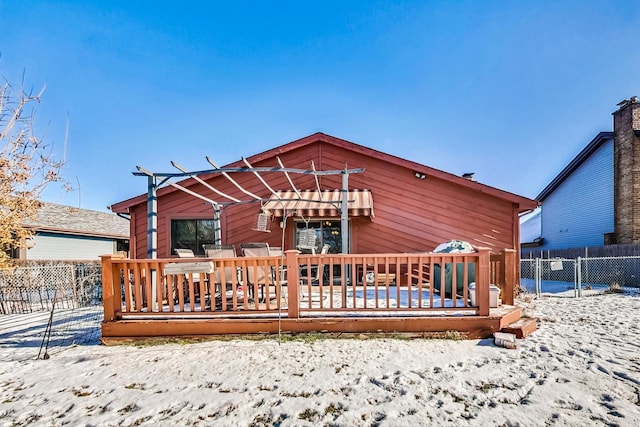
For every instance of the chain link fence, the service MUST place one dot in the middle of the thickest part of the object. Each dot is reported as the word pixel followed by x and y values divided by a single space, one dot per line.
pixel 615 273
pixel 46 307
pixel 580 276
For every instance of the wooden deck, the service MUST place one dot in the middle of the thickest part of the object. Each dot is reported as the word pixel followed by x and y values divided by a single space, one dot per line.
pixel 354 294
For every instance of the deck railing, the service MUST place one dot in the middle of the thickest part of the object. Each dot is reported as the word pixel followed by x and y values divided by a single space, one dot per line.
pixel 299 285
pixel 190 287
pixel 389 282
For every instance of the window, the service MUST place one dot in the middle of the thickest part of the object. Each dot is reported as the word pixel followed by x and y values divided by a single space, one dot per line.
pixel 191 234
pixel 122 245
pixel 327 232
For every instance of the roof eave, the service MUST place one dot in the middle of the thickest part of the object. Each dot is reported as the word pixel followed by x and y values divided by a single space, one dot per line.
pixel 83 233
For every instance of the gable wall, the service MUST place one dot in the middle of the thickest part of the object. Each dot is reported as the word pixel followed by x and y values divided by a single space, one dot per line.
pixel 411 215
pixel 580 210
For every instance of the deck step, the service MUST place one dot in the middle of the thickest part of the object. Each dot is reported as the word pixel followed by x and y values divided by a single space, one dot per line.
pixel 521 328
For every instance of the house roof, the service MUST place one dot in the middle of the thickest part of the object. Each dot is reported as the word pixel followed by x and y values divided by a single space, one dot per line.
pixel 524 204
pixel 574 164
pixel 63 219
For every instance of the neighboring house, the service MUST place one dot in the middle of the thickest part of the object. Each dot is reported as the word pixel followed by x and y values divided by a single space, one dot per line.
pixel 68 233
pixel 396 205
pixel 530 229
pixel 595 199
pixel 577 206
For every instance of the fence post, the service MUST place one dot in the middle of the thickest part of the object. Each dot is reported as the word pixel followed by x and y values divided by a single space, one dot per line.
pixel 578 277
pixel 293 284
pixel 482 281
pixel 538 275
pixel 509 277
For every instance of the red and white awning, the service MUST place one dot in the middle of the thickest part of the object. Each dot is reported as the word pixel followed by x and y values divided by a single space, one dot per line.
pixel 323 204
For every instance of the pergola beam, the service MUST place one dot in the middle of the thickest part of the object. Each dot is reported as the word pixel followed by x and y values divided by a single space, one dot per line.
pixel 165 179
pixel 203 182
pixel 286 174
pixel 246 162
pixel 252 169
pixel 233 181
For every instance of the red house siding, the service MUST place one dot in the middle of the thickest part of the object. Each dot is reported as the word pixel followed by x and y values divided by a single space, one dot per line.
pixel 411 214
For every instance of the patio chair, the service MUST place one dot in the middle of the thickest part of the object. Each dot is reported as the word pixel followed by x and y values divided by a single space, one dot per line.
pixel 275 250
pixel 226 251
pixel 261 276
pixel 261 248
pixel 220 251
pixel 184 253
pixel 187 253
pixel 316 272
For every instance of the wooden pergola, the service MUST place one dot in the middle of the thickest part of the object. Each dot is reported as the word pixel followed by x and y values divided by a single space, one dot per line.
pixel 156 180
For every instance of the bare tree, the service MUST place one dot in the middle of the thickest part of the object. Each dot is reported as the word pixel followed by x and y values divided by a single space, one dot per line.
pixel 26 167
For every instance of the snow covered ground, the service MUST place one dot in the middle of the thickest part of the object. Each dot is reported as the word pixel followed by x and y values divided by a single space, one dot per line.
pixel 581 367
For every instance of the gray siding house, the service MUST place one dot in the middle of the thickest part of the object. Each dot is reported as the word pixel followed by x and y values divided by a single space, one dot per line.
pixel 530 233
pixel 593 200
pixel 577 206
pixel 68 233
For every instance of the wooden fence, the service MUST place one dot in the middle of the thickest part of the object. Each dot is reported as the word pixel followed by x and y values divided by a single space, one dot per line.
pixel 618 250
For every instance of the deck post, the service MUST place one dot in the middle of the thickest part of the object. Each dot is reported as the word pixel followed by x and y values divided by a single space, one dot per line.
pixel 482 281
pixel 152 218
pixel 510 276
pixel 108 296
pixel 344 212
pixel 217 229
pixel 498 273
pixel 293 284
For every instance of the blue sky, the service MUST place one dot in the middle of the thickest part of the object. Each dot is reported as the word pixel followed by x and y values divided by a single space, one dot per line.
pixel 510 90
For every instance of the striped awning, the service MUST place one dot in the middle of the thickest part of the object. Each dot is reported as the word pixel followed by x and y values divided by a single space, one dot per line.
pixel 313 203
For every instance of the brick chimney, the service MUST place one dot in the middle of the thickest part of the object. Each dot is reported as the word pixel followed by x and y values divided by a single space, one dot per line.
pixel 626 166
